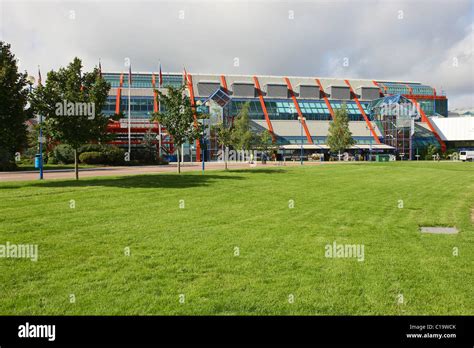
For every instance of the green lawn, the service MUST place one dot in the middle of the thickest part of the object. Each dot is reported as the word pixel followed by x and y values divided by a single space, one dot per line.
pixel 191 251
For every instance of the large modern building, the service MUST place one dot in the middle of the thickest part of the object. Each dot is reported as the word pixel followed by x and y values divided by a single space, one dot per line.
pixel 296 110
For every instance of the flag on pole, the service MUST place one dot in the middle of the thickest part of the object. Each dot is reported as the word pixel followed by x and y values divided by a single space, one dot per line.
pixel 160 79
pixel 129 110
pixel 39 76
pixel 185 76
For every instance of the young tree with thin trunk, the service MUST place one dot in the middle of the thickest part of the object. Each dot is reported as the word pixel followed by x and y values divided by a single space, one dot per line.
pixel 242 137
pixel 71 103
pixel 223 134
pixel 178 118
pixel 339 136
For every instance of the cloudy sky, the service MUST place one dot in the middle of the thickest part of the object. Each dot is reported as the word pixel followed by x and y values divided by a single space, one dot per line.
pixel 430 41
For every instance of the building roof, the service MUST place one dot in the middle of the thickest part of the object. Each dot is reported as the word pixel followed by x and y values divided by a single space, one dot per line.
pixel 454 128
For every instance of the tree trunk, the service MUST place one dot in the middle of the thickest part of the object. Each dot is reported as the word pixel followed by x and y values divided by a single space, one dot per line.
pixel 226 153
pixel 179 161
pixel 76 164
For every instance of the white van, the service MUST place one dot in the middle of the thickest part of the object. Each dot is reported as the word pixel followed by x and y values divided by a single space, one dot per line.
pixel 466 156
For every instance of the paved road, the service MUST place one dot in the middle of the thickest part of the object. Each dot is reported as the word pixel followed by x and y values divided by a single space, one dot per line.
pixel 112 171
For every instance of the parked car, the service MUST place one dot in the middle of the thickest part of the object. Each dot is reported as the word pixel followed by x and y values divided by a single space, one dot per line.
pixel 466 156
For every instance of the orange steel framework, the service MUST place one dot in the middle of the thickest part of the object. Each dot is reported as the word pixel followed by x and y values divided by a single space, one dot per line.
pixel 424 118
pixel 264 108
pixel 414 98
pixel 119 95
pixel 298 110
pixel 224 83
pixel 328 104
pixel 361 109
pixel 189 81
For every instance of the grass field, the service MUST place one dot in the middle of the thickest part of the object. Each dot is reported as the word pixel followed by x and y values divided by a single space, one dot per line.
pixel 192 250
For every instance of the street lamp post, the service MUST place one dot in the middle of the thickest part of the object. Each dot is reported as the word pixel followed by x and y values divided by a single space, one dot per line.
pixel 31 81
pixel 203 137
pixel 301 127
pixel 41 147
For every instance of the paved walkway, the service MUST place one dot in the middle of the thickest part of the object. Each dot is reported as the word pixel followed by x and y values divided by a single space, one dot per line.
pixel 112 171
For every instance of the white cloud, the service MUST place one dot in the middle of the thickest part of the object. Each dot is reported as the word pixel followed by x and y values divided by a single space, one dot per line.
pixel 379 45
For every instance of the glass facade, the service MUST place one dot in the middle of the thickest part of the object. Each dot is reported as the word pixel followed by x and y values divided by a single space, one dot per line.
pixel 404 88
pixel 143 80
pixel 280 109
pixel 140 107
pixel 315 110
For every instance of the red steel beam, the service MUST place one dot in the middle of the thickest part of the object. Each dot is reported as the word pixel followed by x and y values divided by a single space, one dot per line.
pixel 326 100
pixel 424 118
pixel 410 90
pixel 119 95
pixel 224 83
pixel 123 142
pixel 193 105
pixel 422 96
pixel 264 108
pixel 378 84
pixel 298 110
pixel 155 101
pixel 380 88
pixel 369 124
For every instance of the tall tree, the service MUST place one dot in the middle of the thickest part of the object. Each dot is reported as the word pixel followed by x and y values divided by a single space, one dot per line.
pixel 339 136
pixel 265 144
pixel 242 136
pixel 71 104
pixel 177 117
pixel 13 102
pixel 223 133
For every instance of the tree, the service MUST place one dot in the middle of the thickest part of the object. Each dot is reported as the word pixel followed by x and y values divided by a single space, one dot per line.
pixel 71 103
pixel 149 143
pixel 339 136
pixel 242 137
pixel 13 112
pixel 223 134
pixel 178 118
pixel 430 151
pixel 265 143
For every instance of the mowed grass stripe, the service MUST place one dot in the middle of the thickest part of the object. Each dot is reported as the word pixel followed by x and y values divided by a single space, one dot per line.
pixel 191 251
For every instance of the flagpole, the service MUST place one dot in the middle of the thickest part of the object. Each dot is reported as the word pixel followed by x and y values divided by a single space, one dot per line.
pixel 159 106
pixel 129 117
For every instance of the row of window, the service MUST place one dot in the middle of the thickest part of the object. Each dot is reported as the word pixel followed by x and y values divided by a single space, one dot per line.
pixel 322 140
pixel 143 81
pixel 401 88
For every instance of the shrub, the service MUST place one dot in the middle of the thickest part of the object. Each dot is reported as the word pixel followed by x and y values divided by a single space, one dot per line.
pixel 52 160
pixel 92 157
pixel 114 155
pixel 91 148
pixel 64 154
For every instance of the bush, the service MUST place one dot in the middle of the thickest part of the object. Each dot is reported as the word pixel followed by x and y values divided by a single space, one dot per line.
pixel 63 154
pixel 92 157
pixel 52 160
pixel 91 148
pixel 114 155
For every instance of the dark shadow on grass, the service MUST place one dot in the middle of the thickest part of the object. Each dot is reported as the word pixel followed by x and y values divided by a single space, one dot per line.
pixel 136 181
